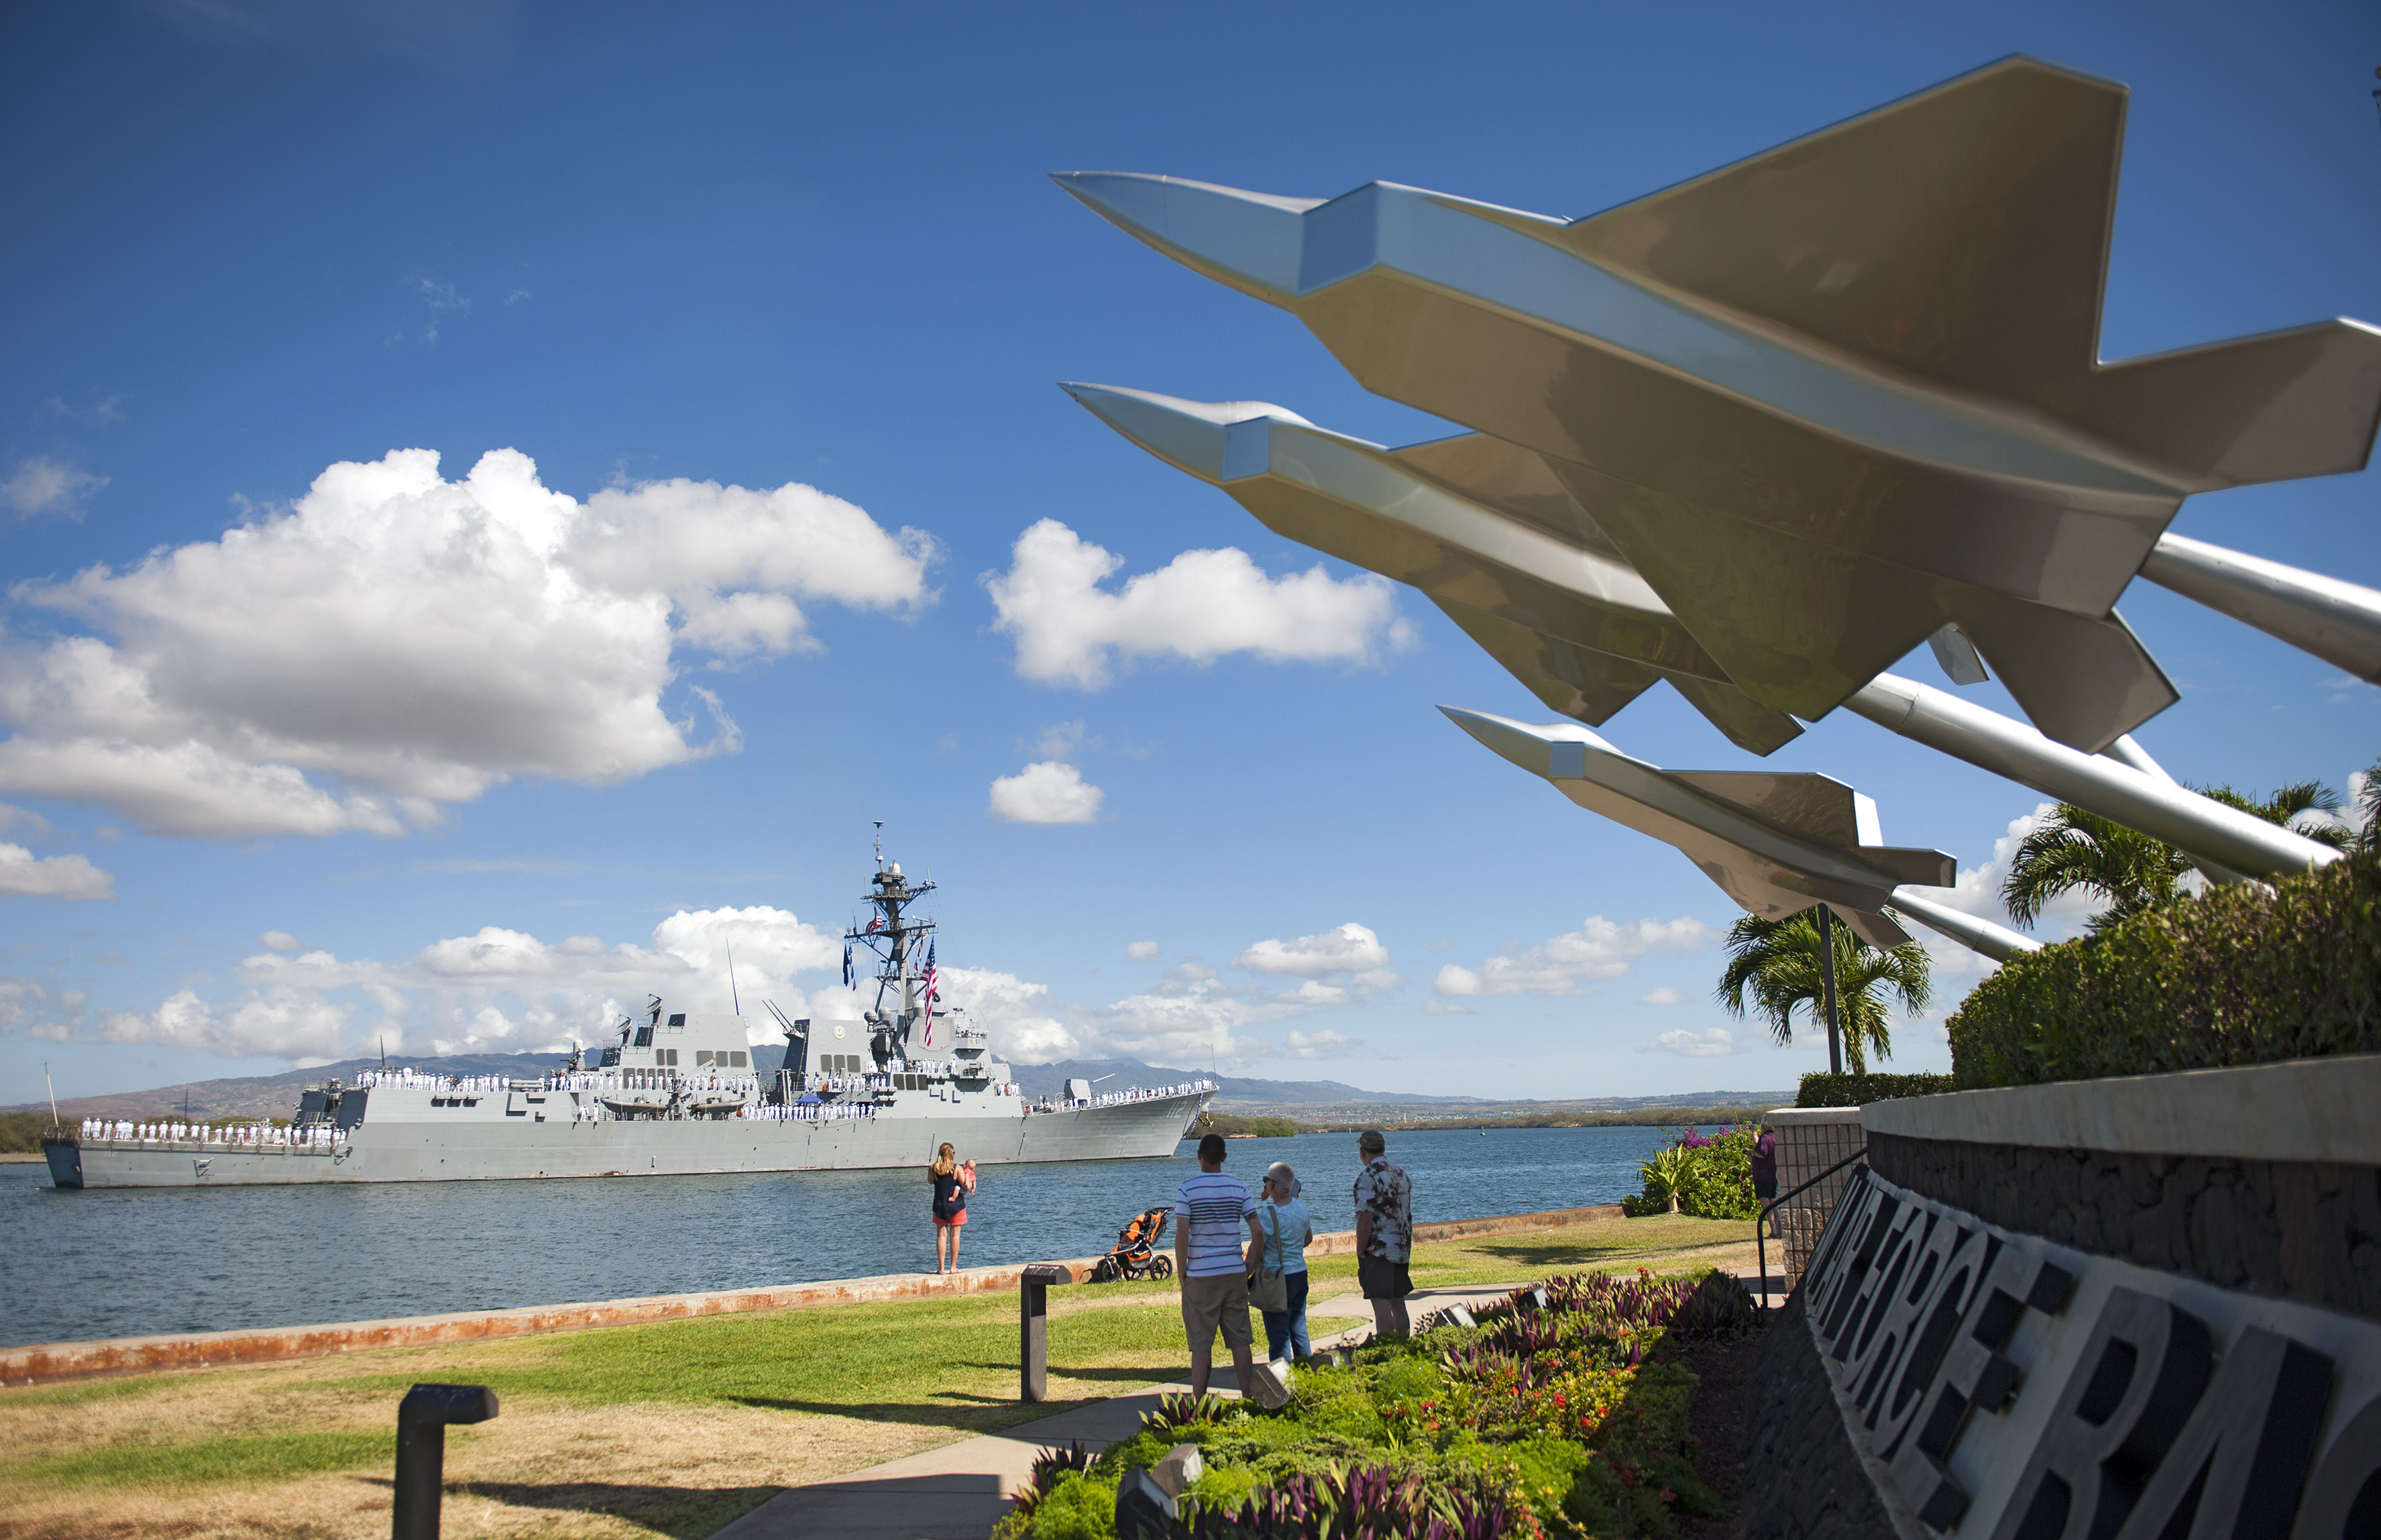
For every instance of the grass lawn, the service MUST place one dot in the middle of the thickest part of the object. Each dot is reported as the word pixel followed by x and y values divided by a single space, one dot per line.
pixel 672 1429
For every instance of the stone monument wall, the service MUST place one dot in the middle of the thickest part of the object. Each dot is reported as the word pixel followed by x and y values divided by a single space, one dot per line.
pixel 2146 1307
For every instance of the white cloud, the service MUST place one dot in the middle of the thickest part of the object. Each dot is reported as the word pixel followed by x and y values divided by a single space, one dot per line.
pixel 1567 964
pixel 500 990
pixel 22 1005
pixel 1019 1015
pixel 395 643
pixel 44 485
pixel 442 296
pixel 1202 606
pixel 1665 995
pixel 1046 792
pixel 1978 892
pixel 70 877
pixel 1312 957
pixel 1437 1007
pixel 1141 951
pixel 1708 1043
pixel 35 822
pixel 278 941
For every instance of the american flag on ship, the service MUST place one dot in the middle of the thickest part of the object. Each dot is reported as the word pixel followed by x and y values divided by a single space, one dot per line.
pixel 928 977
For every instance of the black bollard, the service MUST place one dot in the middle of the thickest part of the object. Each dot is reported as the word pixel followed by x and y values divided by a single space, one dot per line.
pixel 1033 1327
pixel 421 1420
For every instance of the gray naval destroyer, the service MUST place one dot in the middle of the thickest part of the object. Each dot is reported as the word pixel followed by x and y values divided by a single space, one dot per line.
pixel 678 1094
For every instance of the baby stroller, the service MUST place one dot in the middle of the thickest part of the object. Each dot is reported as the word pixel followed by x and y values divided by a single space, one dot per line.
pixel 1136 1256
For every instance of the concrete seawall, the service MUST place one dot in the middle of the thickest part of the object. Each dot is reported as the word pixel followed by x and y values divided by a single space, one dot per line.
pixel 50 1363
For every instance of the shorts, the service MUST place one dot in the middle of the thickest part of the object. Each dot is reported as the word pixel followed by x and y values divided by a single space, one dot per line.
pixel 953 1222
pixel 1764 1190
pixel 1382 1279
pixel 1213 1304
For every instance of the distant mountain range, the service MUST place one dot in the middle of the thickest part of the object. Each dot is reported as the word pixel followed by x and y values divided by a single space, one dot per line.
pixel 274 1096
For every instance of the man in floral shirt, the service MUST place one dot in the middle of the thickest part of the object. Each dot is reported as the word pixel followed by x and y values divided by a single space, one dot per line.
pixel 1384 1235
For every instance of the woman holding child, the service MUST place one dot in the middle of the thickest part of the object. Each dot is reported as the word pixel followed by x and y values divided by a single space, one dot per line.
pixel 953 1180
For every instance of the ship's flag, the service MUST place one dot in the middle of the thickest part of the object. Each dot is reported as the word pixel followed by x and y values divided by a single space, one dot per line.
pixel 846 965
pixel 931 976
pixel 876 923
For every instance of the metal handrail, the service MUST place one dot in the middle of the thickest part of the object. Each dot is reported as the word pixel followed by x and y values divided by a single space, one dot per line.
pixel 1761 1221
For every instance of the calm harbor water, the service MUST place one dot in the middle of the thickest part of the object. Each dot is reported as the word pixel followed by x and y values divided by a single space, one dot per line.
pixel 78 1265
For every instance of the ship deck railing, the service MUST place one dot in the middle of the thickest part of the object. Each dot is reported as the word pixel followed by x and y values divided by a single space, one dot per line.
pixel 313 1139
pixel 1123 1098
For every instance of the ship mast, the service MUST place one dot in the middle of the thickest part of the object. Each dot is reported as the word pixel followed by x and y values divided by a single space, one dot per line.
pixel 894 936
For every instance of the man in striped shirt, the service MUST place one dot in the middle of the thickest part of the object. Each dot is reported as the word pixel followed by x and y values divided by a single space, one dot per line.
pixel 1212 1261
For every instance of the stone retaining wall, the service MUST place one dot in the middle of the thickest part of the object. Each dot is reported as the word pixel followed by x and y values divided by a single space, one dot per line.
pixel 49 1363
pixel 2293 1229
pixel 2146 1305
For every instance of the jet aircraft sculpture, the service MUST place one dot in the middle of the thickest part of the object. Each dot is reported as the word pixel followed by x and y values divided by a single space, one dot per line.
pixel 1522 567
pixel 1829 399
pixel 1476 524
pixel 1775 842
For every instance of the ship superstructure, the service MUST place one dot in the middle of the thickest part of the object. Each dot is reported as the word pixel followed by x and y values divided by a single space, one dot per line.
pixel 678 1093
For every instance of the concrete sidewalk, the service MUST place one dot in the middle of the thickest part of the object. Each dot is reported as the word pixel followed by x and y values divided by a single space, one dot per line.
pixel 959 1491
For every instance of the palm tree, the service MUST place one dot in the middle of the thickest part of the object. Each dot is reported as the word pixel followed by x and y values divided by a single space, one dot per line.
pixel 2073 848
pixel 1776 965
pixel 2368 805
pixel 2288 808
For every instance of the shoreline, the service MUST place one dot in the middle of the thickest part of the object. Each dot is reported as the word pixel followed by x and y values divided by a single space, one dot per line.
pixel 54 1362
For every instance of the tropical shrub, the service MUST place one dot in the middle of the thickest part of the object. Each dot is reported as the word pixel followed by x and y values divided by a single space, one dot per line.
pixel 1710 1177
pixel 1569 1419
pixel 2243 974
pixel 1822 1089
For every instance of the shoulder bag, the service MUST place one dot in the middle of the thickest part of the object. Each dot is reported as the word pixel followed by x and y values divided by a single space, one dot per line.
pixel 1270 1292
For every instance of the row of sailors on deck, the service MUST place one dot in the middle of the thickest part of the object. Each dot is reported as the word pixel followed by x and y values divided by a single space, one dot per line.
pixel 261 1135
pixel 1118 1098
pixel 821 1112
pixel 590 1080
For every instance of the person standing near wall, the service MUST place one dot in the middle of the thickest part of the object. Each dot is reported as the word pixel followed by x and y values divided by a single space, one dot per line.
pixel 1384 1235
pixel 1209 1210
pixel 1765 1171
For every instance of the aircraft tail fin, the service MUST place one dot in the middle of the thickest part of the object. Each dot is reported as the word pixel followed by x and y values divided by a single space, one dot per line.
pixel 1582 683
pixel 1959 235
pixel 2304 402
pixel 2085 682
pixel 1877 930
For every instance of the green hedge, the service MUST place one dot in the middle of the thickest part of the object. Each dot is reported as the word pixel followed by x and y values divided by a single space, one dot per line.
pixel 1822 1089
pixel 2245 974
pixel 1713 1176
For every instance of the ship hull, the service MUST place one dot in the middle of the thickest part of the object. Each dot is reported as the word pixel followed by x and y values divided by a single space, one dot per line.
pixel 497 1152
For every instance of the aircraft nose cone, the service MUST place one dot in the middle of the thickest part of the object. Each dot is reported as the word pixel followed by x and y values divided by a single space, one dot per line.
pixel 1196 436
pixel 1247 239
pixel 1533 749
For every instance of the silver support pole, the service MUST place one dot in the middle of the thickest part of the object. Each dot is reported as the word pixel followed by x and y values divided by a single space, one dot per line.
pixel 2198 825
pixel 2126 751
pixel 1997 942
pixel 1827 974
pixel 2338 622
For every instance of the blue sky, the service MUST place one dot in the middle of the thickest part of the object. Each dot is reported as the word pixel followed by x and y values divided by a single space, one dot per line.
pixel 474 765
